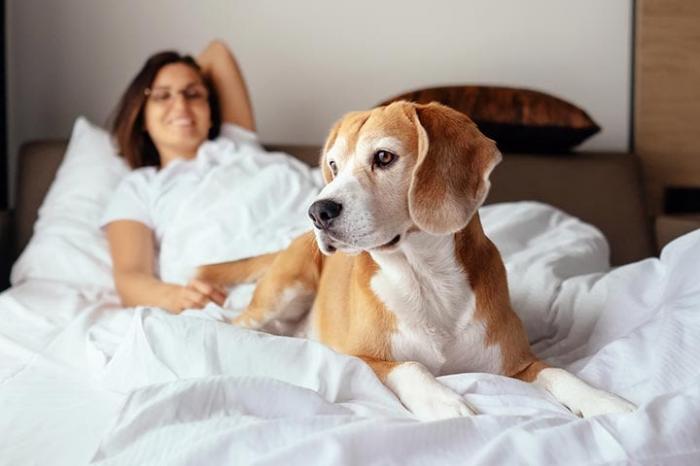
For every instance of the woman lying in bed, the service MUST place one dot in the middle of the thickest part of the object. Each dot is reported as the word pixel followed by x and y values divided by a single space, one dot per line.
pixel 171 111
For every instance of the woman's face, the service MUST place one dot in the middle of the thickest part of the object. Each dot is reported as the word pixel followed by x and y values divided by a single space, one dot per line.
pixel 177 114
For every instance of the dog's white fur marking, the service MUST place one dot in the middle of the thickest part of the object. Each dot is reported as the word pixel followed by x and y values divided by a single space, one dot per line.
pixel 422 283
pixel 372 207
pixel 423 395
pixel 357 221
pixel 582 399
pixel 391 144
pixel 293 305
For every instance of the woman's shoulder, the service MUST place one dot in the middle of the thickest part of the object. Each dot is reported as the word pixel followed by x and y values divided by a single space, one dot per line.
pixel 239 135
pixel 232 139
pixel 234 131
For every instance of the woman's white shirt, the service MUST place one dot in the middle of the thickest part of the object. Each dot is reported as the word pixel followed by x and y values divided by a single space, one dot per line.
pixel 232 200
pixel 152 196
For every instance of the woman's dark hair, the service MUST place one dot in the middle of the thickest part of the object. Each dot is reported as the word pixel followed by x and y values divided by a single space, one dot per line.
pixel 134 143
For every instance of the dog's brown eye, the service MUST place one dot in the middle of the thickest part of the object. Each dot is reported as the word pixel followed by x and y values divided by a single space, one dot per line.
pixel 334 167
pixel 383 159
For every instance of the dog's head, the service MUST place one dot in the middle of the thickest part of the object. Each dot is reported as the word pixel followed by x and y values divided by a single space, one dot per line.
pixel 396 168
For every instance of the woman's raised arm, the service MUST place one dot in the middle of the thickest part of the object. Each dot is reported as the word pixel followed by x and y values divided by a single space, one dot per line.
pixel 219 64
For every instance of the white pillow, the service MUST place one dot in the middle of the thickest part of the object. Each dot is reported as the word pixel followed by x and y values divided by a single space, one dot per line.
pixel 67 244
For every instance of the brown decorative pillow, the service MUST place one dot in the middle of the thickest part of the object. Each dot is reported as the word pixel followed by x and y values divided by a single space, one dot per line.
pixel 519 120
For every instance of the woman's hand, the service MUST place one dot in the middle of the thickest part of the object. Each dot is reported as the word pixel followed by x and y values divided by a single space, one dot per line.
pixel 195 295
pixel 133 255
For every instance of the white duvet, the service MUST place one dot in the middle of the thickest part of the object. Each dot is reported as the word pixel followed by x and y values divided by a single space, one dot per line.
pixel 85 381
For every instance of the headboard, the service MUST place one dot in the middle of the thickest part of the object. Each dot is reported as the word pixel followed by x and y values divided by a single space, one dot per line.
pixel 603 189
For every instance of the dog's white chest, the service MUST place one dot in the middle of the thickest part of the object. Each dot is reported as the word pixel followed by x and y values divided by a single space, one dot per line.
pixel 434 304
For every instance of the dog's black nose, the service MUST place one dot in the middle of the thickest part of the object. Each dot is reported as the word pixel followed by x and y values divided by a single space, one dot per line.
pixel 323 212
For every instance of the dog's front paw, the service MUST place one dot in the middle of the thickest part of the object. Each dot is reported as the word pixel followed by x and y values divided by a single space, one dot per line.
pixel 423 395
pixel 581 398
pixel 602 402
pixel 439 405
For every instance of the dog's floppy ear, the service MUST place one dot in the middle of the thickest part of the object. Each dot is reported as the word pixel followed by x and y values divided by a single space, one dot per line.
pixel 451 177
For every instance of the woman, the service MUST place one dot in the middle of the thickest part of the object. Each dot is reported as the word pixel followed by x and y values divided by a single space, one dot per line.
pixel 169 111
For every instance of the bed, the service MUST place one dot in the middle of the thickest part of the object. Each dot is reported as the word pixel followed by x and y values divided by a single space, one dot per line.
pixel 83 380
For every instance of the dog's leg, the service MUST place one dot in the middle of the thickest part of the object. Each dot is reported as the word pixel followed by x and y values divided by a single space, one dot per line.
pixel 277 307
pixel 581 398
pixel 237 272
pixel 419 390
pixel 285 293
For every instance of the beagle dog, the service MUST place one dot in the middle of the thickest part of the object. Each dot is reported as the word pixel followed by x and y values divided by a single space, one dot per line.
pixel 398 270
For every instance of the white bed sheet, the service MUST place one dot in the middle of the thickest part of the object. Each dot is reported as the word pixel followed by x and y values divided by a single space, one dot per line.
pixel 84 381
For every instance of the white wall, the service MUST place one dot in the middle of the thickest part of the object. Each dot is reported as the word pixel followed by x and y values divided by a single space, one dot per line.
pixel 309 61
